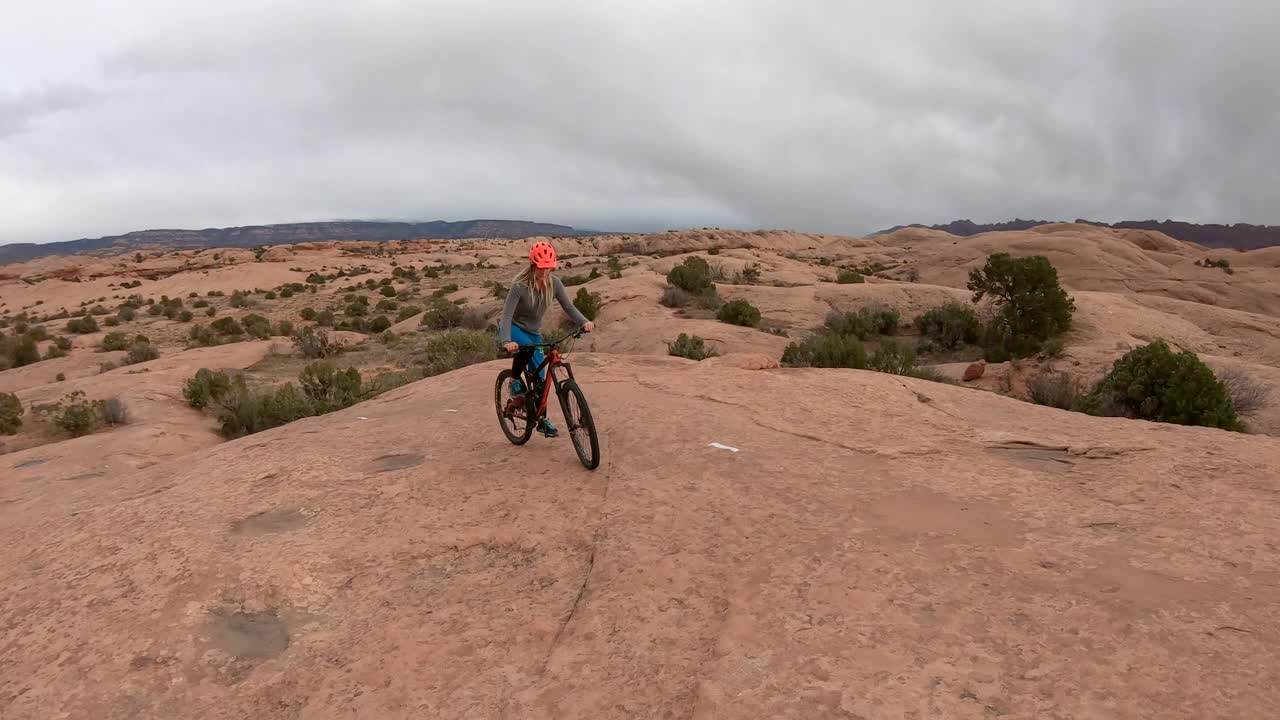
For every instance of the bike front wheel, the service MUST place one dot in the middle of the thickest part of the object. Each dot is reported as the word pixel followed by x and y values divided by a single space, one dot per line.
pixel 582 429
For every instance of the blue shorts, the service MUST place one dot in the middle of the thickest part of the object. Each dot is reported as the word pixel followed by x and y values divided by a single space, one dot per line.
pixel 518 335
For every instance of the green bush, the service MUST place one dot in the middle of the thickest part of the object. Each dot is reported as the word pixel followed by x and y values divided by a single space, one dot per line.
pixel 892 358
pixel 239 299
pixel 864 323
pixel 270 295
pixel 588 303
pixel 1054 389
pixel 325 318
pixel 739 312
pixel 387 291
pixel 379 324
pixel 693 276
pixel 308 314
pixel 211 311
pixel 1154 383
pixel 284 328
pixel 691 347
pixel 442 315
pixel 10 414
pixel 407 312
pixel 386 305
pixel 50 353
pixel 826 350
pixel 328 388
pixel 315 345
pixel 457 349
pixel 256 325
pixel 1033 307
pixel 114 341
pixel 847 277
pixel 446 290
pixel 949 325
pixel 17 352
pixel 356 309
pixel 615 267
pixel 204 336
pixel 126 314
pixel 141 352
pixel 244 411
pixel 75 415
pixel 82 325
pixel 205 388
pixel 226 326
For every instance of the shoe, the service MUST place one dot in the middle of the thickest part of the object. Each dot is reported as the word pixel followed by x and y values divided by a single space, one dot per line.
pixel 546 428
pixel 517 387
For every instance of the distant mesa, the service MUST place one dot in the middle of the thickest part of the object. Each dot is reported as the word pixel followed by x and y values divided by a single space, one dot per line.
pixel 263 235
pixel 1240 236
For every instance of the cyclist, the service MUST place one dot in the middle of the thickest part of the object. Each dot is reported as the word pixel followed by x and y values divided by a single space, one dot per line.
pixel 527 301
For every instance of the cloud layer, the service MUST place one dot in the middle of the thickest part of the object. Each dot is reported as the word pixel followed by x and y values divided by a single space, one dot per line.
pixel 818 115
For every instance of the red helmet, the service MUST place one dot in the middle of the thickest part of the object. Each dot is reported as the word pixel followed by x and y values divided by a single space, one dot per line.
pixel 543 255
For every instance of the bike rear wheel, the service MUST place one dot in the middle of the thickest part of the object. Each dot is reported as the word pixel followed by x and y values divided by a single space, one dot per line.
pixel 582 429
pixel 512 410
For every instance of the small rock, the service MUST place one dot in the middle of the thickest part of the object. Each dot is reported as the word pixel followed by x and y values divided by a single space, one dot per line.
pixel 975 371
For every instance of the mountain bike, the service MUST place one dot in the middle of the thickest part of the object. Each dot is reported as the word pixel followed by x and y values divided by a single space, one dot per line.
pixel 519 415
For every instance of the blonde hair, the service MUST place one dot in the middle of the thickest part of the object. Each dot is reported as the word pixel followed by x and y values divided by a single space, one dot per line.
pixel 541 296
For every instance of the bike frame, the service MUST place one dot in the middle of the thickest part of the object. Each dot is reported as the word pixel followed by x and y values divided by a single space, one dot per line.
pixel 552 361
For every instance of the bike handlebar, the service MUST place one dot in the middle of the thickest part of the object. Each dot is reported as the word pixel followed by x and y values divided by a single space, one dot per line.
pixel 575 333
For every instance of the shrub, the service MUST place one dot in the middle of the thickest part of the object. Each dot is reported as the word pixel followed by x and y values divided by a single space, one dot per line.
pixel 379 324
pixel 1054 347
pixel 238 299
pixel 848 277
pixel 226 326
pixel 270 295
pixel 446 290
pixel 211 312
pixel 287 293
pixel 588 303
pixel 17 352
pixel 826 350
pixel 442 315
pixel 356 309
pixel 1247 394
pixel 1154 383
pixel 386 305
pixel 739 312
pixel 126 313
pixel 892 358
pixel 200 304
pixel 674 297
pixel 314 345
pixel 308 314
pixel 256 325
pixel 113 341
pixel 284 328
pixel 457 349
pixel 99 310
pixel 155 310
pixel 244 411
pixel 60 377
pixel 51 352
pixel 474 319
pixel 949 325
pixel 74 414
pixel 864 323
pixel 1033 307
pixel 387 291
pixel 693 276
pixel 113 411
pixel 204 336
pixel 10 414
pixel 82 325
pixel 329 388
pixel 615 267
pixel 325 318
pixel 205 388
pixel 1054 389
pixel 111 321
pixel 141 352
pixel 691 347
pixel 407 312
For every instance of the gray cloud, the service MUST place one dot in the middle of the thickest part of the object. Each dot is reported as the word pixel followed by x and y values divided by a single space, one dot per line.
pixel 818 115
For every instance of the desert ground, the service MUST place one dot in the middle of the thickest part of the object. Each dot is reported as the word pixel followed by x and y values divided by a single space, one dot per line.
pixel 855 544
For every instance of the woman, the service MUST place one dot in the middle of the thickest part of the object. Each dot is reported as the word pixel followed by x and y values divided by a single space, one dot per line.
pixel 527 301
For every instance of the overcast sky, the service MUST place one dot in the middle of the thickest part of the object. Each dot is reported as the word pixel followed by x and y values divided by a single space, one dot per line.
pixel 833 116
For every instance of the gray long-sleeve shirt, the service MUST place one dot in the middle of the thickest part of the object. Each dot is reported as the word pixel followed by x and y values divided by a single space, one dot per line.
pixel 524 310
